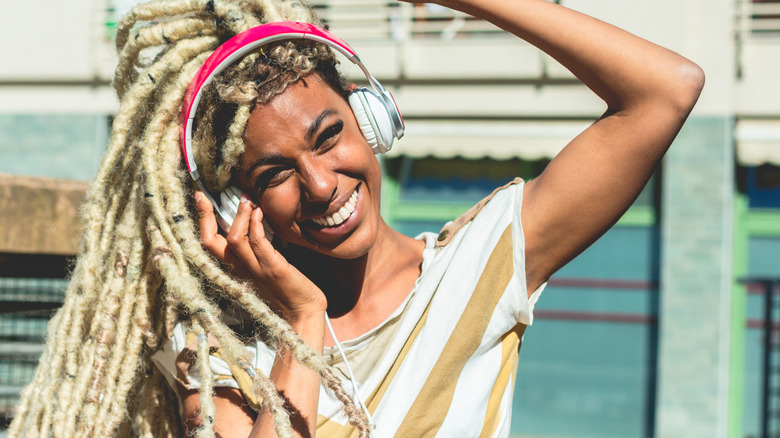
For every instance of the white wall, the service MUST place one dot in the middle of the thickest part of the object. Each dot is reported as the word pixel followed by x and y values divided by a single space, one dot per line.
pixel 47 40
pixel 64 42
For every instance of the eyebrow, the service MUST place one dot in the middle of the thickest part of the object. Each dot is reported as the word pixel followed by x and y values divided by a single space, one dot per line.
pixel 317 122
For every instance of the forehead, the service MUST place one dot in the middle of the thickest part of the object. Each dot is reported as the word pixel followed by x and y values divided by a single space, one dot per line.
pixel 292 112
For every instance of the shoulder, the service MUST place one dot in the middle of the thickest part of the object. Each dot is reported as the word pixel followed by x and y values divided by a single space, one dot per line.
pixel 501 203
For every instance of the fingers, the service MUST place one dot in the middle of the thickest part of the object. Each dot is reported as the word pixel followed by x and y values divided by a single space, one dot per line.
pixel 260 237
pixel 207 222
pixel 209 229
pixel 245 248
pixel 247 241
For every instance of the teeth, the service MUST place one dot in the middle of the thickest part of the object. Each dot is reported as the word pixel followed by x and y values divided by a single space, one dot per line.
pixel 340 216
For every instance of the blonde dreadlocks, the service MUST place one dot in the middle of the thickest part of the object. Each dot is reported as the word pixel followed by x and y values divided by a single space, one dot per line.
pixel 141 267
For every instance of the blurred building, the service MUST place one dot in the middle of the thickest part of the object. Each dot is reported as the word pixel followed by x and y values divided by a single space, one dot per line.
pixel 657 330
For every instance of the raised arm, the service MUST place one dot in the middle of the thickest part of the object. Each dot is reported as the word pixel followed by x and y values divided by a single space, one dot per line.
pixel 649 92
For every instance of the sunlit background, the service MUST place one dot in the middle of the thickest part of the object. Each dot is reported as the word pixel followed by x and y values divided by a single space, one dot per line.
pixel 662 328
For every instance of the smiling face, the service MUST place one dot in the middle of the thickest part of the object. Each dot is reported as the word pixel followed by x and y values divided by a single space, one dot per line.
pixel 309 168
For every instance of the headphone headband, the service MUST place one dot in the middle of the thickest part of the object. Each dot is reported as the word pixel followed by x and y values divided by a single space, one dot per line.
pixel 245 42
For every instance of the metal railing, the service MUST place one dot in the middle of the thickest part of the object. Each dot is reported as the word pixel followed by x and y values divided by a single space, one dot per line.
pixel 770 369
pixel 26 304
pixel 383 20
pixel 757 19
pixel 764 17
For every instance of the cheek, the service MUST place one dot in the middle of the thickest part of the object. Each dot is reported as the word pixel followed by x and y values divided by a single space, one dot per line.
pixel 359 157
pixel 280 206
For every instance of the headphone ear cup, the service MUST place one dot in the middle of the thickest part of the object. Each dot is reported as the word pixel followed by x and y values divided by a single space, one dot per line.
pixel 229 200
pixel 373 118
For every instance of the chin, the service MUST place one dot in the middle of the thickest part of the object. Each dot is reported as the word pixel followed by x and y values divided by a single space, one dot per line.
pixel 357 244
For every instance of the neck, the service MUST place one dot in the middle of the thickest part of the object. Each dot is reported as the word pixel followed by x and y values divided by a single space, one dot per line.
pixel 347 282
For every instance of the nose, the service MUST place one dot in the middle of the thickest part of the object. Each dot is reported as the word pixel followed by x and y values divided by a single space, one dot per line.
pixel 319 182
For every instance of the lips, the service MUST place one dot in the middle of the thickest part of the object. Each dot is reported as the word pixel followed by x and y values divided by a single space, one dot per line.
pixel 341 215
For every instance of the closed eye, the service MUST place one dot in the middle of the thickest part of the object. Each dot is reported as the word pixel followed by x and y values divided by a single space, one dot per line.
pixel 328 133
pixel 271 177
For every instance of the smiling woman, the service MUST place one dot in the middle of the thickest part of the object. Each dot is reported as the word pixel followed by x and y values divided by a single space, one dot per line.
pixel 180 319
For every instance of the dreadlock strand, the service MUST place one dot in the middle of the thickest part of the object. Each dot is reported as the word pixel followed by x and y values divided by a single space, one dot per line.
pixel 56 367
pixel 119 323
pixel 32 398
pixel 154 10
pixel 133 358
pixel 165 33
pixel 85 396
pixel 94 207
pixel 74 332
pixel 84 305
pixel 357 417
pixel 114 215
pixel 285 10
pixel 208 411
pixel 155 416
pixel 188 292
pixel 156 131
pixel 128 335
pixel 236 19
pixel 234 145
pixel 136 97
pixel 30 408
pixel 274 403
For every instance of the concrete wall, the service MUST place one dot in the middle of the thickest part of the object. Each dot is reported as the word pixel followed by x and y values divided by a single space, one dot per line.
pixel 39 215
pixel 696 230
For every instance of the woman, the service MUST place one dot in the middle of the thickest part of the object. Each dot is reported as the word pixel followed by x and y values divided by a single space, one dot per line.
pixel 432 323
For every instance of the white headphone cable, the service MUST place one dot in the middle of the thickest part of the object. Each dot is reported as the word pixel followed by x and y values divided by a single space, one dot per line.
pixel 351 376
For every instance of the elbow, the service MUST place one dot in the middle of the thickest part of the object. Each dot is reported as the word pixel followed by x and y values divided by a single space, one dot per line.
pixel 688 82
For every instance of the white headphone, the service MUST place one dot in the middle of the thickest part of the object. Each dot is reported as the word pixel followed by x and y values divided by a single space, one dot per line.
pixel 375 109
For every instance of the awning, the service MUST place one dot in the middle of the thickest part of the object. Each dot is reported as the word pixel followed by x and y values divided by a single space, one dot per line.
pixel 758 142
pixel 500 140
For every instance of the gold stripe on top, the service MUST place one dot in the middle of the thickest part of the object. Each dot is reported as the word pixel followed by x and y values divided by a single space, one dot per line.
pixel 244 382
pixel 329 428
pixel 509 353
pixel 432 403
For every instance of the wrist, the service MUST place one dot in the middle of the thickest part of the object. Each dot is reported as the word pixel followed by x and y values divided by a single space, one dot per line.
pixel 310 326
pixel 306 313
pixel 310 329
pixel 305 319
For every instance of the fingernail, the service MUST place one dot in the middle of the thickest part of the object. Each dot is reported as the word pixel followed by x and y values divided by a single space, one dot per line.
pixel 198 195
pixel 244 198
